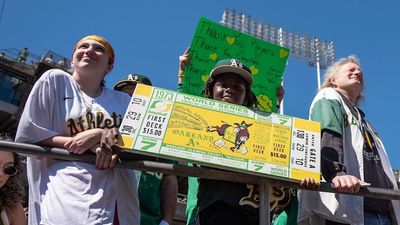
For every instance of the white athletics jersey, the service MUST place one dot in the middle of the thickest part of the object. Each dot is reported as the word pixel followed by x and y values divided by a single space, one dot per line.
pixel 70 192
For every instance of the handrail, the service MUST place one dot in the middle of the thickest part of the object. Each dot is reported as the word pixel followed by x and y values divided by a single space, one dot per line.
pixel 56 60
pixel 141 162
pixel 13 54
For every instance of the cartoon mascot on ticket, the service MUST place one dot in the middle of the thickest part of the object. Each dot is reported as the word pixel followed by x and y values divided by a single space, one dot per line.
pixel 241 135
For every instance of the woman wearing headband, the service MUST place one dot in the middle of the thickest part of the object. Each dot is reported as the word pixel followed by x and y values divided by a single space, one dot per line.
pixel 73 112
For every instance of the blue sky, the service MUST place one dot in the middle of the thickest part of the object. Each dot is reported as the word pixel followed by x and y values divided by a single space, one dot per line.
pixel 148 36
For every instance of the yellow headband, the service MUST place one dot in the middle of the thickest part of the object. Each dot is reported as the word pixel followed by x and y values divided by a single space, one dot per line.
pixel 101 40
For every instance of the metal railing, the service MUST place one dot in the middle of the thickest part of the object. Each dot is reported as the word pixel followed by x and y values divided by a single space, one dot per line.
pixel 12 54
pixel 56 60
pixel 135 161
pixel 32 60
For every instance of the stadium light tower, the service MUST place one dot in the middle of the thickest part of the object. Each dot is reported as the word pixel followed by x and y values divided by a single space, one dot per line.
pixel 316 53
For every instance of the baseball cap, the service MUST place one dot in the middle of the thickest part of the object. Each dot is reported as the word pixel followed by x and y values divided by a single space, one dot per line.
pixel 132 79
pixel 232 66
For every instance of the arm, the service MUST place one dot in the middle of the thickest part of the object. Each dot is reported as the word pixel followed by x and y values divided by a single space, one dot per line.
pixel 37 117
pixel 78 144
pixel 184 60
pixel 332 163
pixel 102 142
pixel 169 190
pixel 55 141
pixel 280 93
pixel 332 155
pixel 17 215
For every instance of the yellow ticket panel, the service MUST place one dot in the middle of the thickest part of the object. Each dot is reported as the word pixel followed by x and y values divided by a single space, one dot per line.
pixel 209 132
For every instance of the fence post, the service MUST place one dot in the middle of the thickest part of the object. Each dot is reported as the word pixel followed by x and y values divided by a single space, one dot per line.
pixel 264 203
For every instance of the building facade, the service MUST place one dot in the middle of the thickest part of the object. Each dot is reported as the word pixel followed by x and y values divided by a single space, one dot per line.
pixel 19 69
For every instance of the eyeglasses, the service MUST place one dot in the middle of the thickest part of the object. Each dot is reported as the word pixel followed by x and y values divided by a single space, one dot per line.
pixel 9 170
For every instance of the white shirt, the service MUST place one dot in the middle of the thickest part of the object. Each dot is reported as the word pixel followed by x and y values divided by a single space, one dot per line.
pixel 69 192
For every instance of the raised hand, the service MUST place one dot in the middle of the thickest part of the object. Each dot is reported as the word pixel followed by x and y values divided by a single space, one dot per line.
pixel 184 60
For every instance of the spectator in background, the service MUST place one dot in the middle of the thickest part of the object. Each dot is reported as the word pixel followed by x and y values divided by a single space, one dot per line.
pixel 352 154
pixel 62 63
pixel 128 84
pixel 157 191
pixel 74 112
pixel 49 59
pixel 23 54
pixel 11 190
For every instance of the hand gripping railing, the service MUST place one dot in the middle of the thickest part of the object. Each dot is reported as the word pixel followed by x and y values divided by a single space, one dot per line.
pixel 141 162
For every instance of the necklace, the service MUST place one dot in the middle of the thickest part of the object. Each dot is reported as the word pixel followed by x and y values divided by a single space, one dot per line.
pixel 88 105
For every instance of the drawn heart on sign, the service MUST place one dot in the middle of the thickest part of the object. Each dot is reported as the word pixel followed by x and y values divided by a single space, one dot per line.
pixel 213 56
pixel 265 102
pixel 254 70
pixel 204 78
pixel 283 53
pixel 230 40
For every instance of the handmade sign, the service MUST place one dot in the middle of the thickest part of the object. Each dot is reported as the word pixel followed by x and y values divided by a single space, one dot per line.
pixel 216 133
pixel 213 42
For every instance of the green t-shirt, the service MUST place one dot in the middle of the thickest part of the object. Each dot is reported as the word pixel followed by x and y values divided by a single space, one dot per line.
pixel 191 204
pixel 150 198
pixel 329 114
pixel 289 214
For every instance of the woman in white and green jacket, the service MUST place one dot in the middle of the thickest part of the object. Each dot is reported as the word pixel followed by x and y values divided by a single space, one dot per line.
pixel 352 155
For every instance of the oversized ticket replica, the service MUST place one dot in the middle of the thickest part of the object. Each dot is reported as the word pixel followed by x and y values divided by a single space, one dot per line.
pixel 220 134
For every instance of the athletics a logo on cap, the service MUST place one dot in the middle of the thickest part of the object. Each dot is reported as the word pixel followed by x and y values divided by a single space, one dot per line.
pixel 133 77
pixel 236 63
pixel 232 66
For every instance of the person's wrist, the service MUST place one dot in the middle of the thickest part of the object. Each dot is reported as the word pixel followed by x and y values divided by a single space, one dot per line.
pixel 163 222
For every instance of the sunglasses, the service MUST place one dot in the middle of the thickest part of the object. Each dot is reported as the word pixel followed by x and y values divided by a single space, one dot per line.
pixel 9 170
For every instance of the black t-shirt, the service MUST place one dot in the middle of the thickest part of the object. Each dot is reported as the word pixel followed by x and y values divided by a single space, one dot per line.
pixel 242 196
pixel 374 173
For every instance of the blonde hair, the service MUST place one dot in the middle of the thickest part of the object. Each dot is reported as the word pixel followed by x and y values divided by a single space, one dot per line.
pixel 333 69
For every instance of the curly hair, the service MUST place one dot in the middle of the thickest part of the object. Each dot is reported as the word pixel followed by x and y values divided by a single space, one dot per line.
pixel 12 193
pixel 250 99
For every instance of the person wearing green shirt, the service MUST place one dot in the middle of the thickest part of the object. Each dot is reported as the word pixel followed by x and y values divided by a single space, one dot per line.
pixel 157 191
